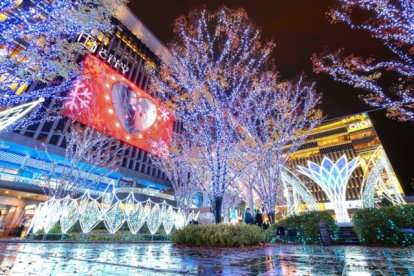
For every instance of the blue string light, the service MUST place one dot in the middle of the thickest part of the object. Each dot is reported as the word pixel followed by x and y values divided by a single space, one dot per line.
pixel 392 22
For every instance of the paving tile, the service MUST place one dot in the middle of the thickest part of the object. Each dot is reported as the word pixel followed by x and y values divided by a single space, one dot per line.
pixel 165 259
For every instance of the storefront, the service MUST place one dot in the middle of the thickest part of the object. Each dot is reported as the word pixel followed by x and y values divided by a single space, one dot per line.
pixel 16 211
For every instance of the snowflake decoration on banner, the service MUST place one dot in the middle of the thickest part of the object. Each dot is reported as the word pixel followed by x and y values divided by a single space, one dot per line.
pixel 79 98
pixel 160 148
pixel 164 114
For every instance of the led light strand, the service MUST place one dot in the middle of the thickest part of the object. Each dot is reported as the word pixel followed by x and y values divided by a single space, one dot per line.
pixel 89 211
pixel 392 22
pixel 333 179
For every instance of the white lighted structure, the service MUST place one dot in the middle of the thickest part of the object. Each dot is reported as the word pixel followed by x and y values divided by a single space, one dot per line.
pixel 333 179
pixel 296 193
pixel 11 115
pixel 379 180
pixel 114 212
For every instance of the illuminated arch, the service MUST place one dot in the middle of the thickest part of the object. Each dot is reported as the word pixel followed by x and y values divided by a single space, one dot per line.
pixel 379 178
pixel 296 192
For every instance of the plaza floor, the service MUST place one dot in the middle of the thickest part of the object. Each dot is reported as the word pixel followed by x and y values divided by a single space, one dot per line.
pixel 164 259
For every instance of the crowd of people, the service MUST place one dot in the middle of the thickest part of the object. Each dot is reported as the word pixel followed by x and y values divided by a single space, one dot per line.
pixel 256 220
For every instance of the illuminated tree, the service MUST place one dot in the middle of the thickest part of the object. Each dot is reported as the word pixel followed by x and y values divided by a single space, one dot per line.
pixel 218 59
pixel 279 120
pixel 391 22
pixel 231 199
pixel 38 44
pixel 181 172
pixel 90 156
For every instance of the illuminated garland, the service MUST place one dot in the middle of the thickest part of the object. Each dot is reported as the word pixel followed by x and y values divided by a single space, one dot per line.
pixel 392 22
pixel 88 211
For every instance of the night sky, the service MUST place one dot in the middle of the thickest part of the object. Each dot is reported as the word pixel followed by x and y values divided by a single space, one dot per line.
pixel 299 29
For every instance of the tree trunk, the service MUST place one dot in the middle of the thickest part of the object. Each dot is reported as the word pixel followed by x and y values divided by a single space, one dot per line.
pixel 217 208
pixel 271 216
pixel 250 197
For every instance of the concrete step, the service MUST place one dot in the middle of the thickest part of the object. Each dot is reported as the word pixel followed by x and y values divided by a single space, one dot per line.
pixel 347 236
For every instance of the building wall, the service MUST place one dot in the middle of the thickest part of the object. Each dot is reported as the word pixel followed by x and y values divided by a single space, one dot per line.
pixel 353 136
pixel 122 47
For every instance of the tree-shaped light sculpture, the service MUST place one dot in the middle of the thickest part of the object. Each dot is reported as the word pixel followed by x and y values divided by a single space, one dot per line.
pixel 333 179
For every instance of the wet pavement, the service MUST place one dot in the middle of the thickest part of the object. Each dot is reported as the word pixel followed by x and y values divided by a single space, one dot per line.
pixel 164 259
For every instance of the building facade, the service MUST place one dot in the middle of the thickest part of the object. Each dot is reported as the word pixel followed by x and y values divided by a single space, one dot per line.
pixel 353 136
pixel 127 52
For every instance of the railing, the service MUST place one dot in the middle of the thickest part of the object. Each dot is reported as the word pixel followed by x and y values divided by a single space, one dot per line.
pixel 30 181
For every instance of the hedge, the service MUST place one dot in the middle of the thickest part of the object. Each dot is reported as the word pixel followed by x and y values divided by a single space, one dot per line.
pixel 383 226
pixel 307 227
pixel 218 235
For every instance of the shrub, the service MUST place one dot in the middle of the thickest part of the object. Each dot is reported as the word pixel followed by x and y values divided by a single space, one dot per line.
pixel 383 226
pixel 218 235
pixel 307 227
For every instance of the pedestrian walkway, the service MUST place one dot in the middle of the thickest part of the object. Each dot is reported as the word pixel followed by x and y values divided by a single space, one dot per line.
pixel 165 259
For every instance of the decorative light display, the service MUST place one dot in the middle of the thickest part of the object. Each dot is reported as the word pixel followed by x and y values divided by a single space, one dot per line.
pixel 183 175
pixel 10 116
pixel 333 178
pixel 48 31
pixel 296 192
pixel 279 121
pixel 110 103
pixel 218 74
pixel 380 181
pixel 87 151
pixel 392 22
pixel 89 211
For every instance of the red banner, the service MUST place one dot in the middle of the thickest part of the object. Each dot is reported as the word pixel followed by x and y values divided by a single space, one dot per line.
pixel 108 102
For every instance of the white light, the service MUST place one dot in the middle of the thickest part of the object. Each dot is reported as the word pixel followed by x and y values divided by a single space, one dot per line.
pixel 11 115
pixel 111 111
pixel 379 179
pixel 89 211
pixel 333 179
pixel 293 185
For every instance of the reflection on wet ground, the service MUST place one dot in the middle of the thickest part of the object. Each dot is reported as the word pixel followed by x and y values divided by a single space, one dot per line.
pixel 164 259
